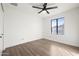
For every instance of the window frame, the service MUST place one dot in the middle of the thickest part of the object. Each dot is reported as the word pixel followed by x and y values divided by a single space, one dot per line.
pixel 56 24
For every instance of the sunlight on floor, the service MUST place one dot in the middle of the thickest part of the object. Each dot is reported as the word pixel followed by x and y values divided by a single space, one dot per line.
pixel 59 51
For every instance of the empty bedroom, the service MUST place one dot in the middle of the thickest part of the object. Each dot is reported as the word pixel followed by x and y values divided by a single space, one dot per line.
pixel 39 29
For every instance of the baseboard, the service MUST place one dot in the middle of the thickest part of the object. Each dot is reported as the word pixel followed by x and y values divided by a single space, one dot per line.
pixel 63 43
pixel 45 39
pixel 22 43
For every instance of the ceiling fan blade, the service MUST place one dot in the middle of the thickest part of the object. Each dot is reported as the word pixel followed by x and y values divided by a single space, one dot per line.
pixel 47 11
pixel 37 7
pixel 40 11
pixel 14 4
pixel 51 7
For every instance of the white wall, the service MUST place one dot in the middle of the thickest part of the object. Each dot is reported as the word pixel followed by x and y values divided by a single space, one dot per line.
pixel 71 27
pixel 0 30
pixel 21 25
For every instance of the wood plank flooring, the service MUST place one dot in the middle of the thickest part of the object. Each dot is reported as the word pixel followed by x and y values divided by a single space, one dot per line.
pixel 42 47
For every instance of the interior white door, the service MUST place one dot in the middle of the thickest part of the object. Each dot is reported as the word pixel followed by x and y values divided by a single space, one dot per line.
pixel 1 21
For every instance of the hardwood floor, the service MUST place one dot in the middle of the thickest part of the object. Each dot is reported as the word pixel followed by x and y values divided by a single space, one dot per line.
pixel 42 47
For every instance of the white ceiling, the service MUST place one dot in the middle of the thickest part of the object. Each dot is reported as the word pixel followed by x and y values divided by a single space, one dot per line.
pixel 41 4
pixel 62 7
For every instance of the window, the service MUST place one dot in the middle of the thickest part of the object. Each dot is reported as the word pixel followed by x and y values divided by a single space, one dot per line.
pixel 57 26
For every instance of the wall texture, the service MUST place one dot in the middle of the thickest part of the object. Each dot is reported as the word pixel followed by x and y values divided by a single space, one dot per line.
pixel 71 27
pixel 0 30
pixel 21 25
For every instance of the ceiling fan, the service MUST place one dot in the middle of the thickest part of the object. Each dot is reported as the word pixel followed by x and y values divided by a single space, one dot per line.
pixel 45 8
